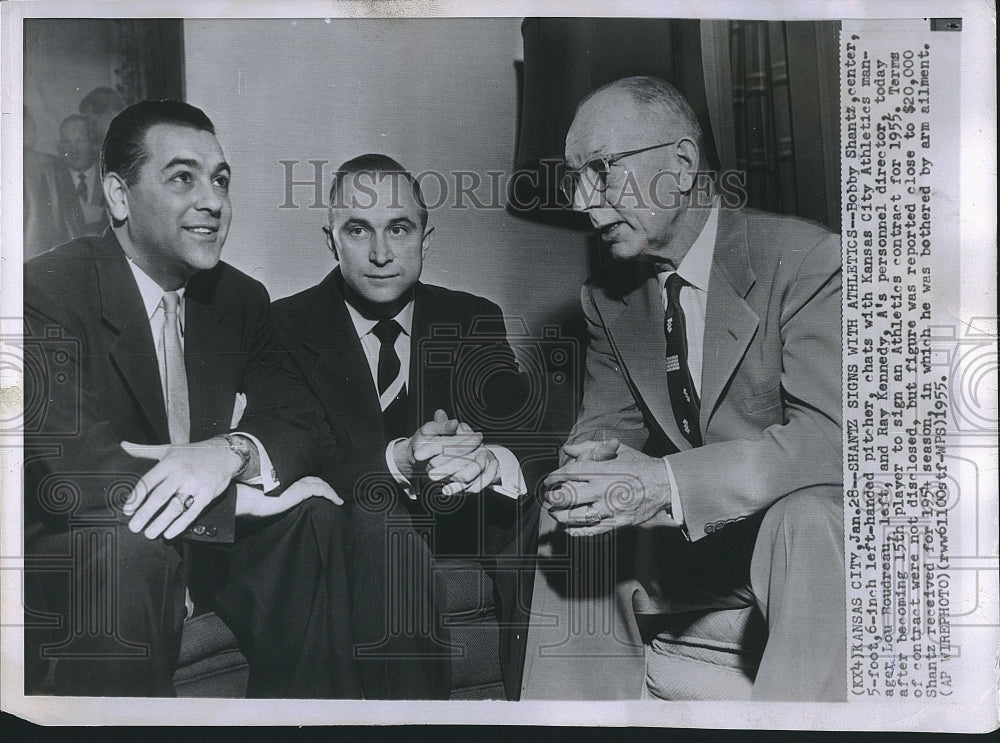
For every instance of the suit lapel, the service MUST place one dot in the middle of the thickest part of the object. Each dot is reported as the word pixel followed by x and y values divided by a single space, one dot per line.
pixel 730 323
pixel 635 327
pixel 212 358
pixel 133 352
pixel 342 373
pixel 424 383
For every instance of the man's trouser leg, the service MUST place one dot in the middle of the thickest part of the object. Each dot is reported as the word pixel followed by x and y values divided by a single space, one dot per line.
pixel 121 604
pixel 797 575
pixel 288 602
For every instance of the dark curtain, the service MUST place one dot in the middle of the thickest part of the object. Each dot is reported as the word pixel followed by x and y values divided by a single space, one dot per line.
pixel 765 148
pixel 147 58
pixel 566 58
pixel 786 116
pixel 766 94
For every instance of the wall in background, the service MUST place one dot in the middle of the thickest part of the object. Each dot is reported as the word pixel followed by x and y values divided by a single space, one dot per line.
pixel 434 94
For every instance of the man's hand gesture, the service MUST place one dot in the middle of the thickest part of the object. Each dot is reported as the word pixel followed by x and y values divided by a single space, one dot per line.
pixel 182 484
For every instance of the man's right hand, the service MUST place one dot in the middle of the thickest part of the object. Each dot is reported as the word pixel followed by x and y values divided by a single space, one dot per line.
pixel 438 440
pixel 182 484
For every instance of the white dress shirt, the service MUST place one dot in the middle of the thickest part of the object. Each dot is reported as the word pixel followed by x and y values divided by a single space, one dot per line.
pixel 695 269
pixel 152 298
pixel 511 478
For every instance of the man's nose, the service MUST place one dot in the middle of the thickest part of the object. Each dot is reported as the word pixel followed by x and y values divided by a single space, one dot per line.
pixel 585 195
pixel 380 252
pixel 210 199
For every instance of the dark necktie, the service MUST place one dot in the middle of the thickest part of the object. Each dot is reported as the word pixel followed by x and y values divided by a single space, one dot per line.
pixel 81 187
pixel 388 362
pixel 683 395
pixel 393 414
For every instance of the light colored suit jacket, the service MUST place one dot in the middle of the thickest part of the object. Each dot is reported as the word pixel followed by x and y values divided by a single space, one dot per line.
pixel 771 380
pixel 770 418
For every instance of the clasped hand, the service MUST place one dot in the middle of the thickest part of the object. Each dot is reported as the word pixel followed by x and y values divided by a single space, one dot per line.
pixel 448 450
pixel 606 485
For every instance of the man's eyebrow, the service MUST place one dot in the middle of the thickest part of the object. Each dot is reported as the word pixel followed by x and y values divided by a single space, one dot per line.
pixel 358 221
pixel 188 162
pixel 402 220
pixel 184 161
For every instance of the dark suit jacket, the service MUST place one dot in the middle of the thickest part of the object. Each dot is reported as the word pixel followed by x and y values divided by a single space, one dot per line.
pixel 460 362
pixel 92 381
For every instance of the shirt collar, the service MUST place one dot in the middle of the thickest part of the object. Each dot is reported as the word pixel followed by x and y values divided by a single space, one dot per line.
pixel 696 267
pixel 363 326
pixel 151 292
pixel 89 172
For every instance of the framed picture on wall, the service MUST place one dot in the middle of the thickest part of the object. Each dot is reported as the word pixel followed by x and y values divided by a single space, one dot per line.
pixel 79 73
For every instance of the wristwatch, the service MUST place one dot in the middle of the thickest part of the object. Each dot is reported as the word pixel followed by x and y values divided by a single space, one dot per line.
pixel 242 447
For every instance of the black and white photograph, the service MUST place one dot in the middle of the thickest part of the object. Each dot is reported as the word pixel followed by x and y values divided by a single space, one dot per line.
pixel 393 364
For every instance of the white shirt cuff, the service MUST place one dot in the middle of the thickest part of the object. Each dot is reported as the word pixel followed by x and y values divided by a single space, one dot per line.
pixel 268 477
pixel 675 499
pixel 511 478
pixel 399 477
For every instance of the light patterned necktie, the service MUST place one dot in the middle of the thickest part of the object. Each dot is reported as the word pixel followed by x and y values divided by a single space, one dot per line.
pixel 178 414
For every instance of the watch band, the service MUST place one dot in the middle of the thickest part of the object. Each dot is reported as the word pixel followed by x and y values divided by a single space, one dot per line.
pixel 241 447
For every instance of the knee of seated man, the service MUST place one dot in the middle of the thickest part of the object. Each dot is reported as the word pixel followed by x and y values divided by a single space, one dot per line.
pixel 323 515
pixel 809 509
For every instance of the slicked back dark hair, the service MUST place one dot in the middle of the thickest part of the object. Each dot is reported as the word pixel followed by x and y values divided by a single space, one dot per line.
pixel 124 148
pixel 375 164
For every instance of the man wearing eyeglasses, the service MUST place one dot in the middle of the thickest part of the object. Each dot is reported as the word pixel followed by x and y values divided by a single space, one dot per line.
pixel 704 469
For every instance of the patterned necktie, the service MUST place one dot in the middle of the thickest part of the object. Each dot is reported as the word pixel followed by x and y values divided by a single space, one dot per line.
pixel 683 395
pixel 81 187
pixel 388 362
pixel 178 413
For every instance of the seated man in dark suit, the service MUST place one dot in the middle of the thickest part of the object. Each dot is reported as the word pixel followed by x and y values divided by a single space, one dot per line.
pixel 171 422
pixel 362 339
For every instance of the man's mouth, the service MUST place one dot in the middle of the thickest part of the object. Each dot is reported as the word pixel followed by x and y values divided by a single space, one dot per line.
pixel 381 277
pixel 610 231
pixel 202 229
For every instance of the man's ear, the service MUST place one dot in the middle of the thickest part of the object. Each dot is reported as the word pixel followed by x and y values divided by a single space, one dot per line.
pixel 687 159
pixel 331 243
pixel 425 242
pixel 116 196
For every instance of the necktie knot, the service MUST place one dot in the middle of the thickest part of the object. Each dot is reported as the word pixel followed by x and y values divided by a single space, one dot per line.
pixel 171 301
pixel 675 282
pixel 81 185
pixel 387 331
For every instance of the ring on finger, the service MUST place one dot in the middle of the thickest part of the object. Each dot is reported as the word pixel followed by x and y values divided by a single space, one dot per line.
pixel 186 500
pixel 592 516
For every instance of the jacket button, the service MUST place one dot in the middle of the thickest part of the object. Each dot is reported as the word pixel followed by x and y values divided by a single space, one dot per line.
pixel 709 528
pixel 199 530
